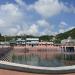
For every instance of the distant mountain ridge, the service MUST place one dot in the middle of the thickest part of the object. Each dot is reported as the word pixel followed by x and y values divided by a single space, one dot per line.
pixel 66 34
pixel 57 39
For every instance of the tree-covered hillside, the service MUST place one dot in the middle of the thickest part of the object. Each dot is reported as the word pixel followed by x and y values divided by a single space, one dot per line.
pixel 58 37
pixel 66 34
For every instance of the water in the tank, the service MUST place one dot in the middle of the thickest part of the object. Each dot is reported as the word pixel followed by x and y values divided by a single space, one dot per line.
pixel 44 58
pixel 36 60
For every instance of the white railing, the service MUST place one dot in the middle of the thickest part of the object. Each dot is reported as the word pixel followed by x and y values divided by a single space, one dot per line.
pixel 36 69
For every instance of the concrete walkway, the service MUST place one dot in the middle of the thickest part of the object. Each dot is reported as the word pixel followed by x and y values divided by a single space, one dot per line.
pixel 10 72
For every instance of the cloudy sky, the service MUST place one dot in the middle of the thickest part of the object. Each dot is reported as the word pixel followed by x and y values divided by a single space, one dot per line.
pixel 36 17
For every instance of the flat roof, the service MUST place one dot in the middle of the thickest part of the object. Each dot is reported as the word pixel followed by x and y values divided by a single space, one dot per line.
pixel 32 38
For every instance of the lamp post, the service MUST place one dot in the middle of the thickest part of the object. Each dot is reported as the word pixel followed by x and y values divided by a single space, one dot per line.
pixel 5 39
pixel 25 43
pixel 25 49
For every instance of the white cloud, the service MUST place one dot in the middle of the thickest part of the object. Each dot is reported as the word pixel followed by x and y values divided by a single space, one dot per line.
pixel 12 20
pixel 33 29
pixel 12 30
pixel 10 14
pixel 42 23
pixel 10 9
pixel 70 9
pixel 43 27
pixel 48 8
pixel 63 23
pixel 2 23
pixel 20 2
pixel 69 28
pixel 13 17
pixel 63 27
pixel 10 17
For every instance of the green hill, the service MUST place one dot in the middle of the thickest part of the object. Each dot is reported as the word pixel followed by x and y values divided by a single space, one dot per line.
pixel 58 37
pixel 65 35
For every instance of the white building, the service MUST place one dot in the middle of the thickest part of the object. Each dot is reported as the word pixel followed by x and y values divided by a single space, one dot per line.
pixel 31 41
pixel 68 45
pixel 4 43
pixel 68 42
pixel 28 41
pixel 19 41
pixel 46 43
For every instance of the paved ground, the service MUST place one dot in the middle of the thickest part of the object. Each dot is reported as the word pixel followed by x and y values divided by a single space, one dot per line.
pixel 10 72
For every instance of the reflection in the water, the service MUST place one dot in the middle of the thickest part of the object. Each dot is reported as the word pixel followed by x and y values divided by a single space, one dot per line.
pixel 40 57
pixel 37 60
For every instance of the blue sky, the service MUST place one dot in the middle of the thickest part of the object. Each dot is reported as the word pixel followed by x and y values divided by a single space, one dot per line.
pixel 36 17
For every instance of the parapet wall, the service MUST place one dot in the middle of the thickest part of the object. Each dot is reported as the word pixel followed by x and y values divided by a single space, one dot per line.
pixel 36 69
